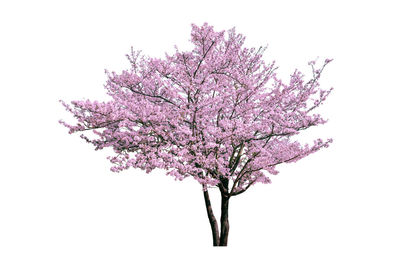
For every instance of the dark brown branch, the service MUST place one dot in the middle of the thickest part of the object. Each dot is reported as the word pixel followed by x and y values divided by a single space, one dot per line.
pixel 245 189
pixel 155 96
pixel 283 161
pixel 243 172
pixel 237 159
pixel 102 125
pixel 232 156
pixel 204 56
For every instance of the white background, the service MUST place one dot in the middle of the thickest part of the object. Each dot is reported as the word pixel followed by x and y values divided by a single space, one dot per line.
pixel 61 206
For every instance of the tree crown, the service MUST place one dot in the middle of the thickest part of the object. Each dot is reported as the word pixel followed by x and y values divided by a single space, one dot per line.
pixel 216 113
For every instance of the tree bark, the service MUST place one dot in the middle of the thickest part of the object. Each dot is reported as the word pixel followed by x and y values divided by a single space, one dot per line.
pixel 211 218
pixel 223 240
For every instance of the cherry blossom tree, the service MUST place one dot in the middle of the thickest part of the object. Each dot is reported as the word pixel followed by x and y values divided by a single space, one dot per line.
pixel 218 114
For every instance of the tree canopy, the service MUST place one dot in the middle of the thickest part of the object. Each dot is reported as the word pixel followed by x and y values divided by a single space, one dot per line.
pixel 218 113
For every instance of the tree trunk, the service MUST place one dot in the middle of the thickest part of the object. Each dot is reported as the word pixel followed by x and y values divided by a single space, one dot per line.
pixel 223 240
pixel 211 218
pixel 218 240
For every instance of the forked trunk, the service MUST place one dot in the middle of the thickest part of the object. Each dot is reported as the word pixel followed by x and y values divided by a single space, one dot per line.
pixel 218 240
